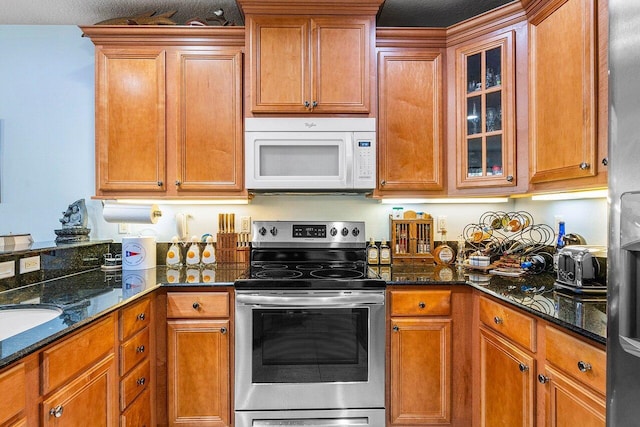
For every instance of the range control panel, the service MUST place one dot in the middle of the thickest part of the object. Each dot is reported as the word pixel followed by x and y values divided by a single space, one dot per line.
pixel 309 233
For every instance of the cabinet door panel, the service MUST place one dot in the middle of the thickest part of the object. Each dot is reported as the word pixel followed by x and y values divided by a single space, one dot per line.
pixel 410 117
pixel 209 140
pixel 198 395
pixel 341 64
pixel 131 130
pixel 507 384
pixel 420 371
pixel 562 111
pixel 572 404
pixel 280 70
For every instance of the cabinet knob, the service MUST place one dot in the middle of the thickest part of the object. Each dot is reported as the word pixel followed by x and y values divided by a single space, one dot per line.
pixel 523 367
pixel 306 104
pixel 314 104
pixel 196 305
pixel 422 304
pixel 178 183
pixel 395 328
pixel 510 178
pixel 160 183
pixel 140 349
pixel 141 381
pixel 605 161
pixel 383 183
pixel 584 165
pixel 223 330
pixel 141 316
pixel 57 411
pixel 543 379
pixel 497 320
pixel 584 366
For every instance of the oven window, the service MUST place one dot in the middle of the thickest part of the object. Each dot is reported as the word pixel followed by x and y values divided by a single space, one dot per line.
pixel 310 345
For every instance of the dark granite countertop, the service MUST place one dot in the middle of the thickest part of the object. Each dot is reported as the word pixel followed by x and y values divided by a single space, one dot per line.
pixel 86 296
pixel 534 293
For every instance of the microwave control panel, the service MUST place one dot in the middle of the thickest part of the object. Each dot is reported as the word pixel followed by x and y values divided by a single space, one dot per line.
pixel 365 160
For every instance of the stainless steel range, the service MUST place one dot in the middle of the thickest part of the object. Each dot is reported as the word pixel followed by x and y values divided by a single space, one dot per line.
pixel 310 329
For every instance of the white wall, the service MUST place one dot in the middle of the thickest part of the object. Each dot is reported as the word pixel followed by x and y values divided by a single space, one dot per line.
pixel 47 157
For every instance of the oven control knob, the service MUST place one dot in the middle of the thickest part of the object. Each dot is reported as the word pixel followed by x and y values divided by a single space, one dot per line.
pixel 333 231
pixel 262 231
pixel 345 231
pixel 273 231
pixel 355 232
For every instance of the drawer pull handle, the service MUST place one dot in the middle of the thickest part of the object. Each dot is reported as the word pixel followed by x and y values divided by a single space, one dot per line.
pixel 584 366
pixel 141 316
pixel 223 330
pixel 497 320
pixel 57 411
pixel 543 379
pixel 523 367
pixel 421 304
pixel 196 305
pixel 141 381
pixel 395 328
pixel 140 349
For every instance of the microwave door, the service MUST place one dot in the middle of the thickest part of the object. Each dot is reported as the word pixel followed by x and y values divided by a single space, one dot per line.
pixel 292 160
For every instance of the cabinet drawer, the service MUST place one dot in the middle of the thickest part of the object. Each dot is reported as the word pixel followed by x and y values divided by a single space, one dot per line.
pixel 12 403
pixel 62 361
pixel 197 304
pixel 518 327
pixel 577 358
pixel 134 350
pixel 420 303
pixel 134 318
pixel 134 383
pixel 139 413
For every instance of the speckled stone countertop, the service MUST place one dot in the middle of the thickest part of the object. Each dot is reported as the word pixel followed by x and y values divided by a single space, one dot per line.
pixel 534 293
pixel 85 296
pixel 88 295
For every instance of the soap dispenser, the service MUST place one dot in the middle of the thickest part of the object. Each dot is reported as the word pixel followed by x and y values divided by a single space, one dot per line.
pixel 209 253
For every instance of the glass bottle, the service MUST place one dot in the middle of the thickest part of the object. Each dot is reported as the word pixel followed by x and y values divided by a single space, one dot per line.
pixel 174 257
pixel 443 254
pixel 385 253
pixel 373 256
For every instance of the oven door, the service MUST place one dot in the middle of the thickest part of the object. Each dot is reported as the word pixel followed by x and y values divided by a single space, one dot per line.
pixel 309 349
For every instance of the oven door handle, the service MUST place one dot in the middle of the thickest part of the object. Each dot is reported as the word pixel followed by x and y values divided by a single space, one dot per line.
pixel 310 301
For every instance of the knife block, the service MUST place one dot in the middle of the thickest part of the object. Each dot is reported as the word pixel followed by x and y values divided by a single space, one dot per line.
pixel 226 246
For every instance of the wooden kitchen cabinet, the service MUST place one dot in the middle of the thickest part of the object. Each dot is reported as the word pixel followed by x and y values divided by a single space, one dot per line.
pixel 567 67
pixel 410 122
pixel 198 335
pixel 485 95
pixel 168 112
pixel 420 331
pixel 13 404
pixel 303 64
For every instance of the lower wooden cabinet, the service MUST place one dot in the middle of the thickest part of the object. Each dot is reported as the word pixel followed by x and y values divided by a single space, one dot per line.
pixel 14 403
pixel 198 359
pixel 507 383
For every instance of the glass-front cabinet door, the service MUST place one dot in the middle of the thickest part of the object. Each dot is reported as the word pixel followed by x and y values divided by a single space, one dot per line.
pixel 486 144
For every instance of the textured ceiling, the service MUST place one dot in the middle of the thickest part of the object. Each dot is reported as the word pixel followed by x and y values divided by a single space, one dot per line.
pixel 394 13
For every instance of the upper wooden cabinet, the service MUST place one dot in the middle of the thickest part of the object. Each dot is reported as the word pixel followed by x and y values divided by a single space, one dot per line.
pixel 485 95
pixel 410 131
pixel 168 111
pixel 301 65
pixel 567 67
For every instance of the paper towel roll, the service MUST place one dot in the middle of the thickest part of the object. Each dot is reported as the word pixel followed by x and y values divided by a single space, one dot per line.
pixel 134 214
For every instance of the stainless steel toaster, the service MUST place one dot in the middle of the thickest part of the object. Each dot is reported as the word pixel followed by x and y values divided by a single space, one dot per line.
pixel 582 268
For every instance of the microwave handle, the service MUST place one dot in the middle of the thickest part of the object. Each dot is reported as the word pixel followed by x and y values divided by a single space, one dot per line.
pixel 311 301
pixel 350 156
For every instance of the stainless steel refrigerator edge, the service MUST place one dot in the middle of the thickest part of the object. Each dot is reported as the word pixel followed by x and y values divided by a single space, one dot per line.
pixel 623 367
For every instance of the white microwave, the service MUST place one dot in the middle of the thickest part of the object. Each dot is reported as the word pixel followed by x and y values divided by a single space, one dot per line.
pixel 310 154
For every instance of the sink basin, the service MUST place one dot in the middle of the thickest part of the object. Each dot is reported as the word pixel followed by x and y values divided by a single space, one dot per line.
pixel 22 317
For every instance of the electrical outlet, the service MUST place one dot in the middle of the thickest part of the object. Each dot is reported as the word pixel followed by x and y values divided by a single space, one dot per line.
pixel 7 269
pixel 27 265
pixel 245 224
pixel 123 228
pixel 442 222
